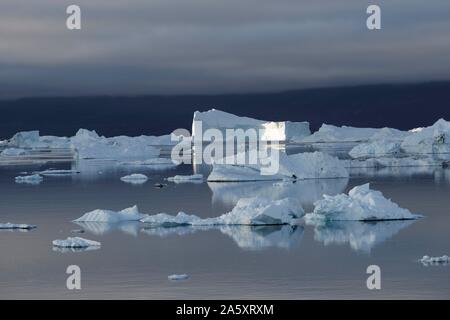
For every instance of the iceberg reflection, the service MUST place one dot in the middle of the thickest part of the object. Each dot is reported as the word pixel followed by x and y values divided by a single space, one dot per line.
pixel 361 236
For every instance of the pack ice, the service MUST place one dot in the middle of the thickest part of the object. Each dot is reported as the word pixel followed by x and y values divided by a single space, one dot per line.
pixel 315 165
pixel 361 204
pixel 271 131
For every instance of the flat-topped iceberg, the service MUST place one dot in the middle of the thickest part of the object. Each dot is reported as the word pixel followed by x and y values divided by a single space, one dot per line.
pixel 128 214
pixel 75 242
pixel 361 204
pixel 31 179
pixel 16 226
pixel 269 130
pixel 135 178
pixel 189 178
pixel 315 165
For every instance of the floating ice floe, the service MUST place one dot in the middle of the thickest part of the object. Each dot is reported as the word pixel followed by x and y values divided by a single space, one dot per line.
pixel 387 162
pixel 155 163
pixel 58 173
pixel 270 131
pixel 435 261
pixel 31 179
pixel 16 226
pixel 129 214
pixel 361 236
pixel 12 152
pixel 135 178
pixel 178 277
pixel 75 242
pixel 315 165
pixel 183 179
pixel 361 204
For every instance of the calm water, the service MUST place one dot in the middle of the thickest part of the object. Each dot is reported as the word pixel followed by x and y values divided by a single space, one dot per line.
pixel 229 262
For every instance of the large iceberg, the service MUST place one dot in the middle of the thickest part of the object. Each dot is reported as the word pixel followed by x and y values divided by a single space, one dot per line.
pixel 315 165
pixel 361 204
pixel 431 140
pixel 129 214
pixel 269 130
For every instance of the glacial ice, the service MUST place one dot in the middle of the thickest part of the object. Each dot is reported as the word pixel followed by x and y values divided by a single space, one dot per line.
pixel 75 242
pixel 16 226
pixel 435 261
pixel 315 165
pixel 178 277
pixel 271 131
pixel 31 179
pixel 101 228
pixel 330 133
pixel 135 178
pixel 430 140
pixel 128 214
pixel 183 179
pixel 361 204
pixel 12 152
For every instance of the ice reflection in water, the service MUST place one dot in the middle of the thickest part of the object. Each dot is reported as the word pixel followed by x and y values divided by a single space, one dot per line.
pixel 361 236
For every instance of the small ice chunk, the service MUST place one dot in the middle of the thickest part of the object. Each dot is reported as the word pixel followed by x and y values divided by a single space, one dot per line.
pixel 178 277
pixel 75 242
pixel 183 179
pixel 435 261
pixel 135 178
pixel 129 214
pixel 31 179
pixel 54 172
pixel 361 204
pixel 15 226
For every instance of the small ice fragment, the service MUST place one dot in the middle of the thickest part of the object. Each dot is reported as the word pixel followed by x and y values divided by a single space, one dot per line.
pixel 32 179
pixel 178 277
pixel 159 185
pixel 52 172
pixel 435 261
pixel 13 226
pixel 75 242
pixel 135 178
pixel 182 179
pixel 78 231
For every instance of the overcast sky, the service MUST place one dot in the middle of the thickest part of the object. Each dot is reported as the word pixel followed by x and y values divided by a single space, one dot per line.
pixel 217 46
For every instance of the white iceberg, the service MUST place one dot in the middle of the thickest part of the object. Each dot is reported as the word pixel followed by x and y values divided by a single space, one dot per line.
pixel 135 178
pixel 89 145
pixel 270 131
pixel 31 179
pixel 101 228
pixel 431 140
pixel 379 148
pixel 361 204
pixel 12 152
pixel 75 242
pixel 315 165
pixel 16 226
pixel 184 179
pixel 435 261
pixel 128 214
pixel 330 133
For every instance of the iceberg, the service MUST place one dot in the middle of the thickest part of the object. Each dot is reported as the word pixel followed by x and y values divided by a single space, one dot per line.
pixel 435 261
pixel 128 214
pixel 89 145
pixel 102 228
pixel 361 204
pixel 182 179
pixel 379 148
pixel 31 179
pixel 330 133
pixel 135 178
pixel 16 226
pixel 360 235
pixel 315 165
pixel 270 131
pixel 75 242
pixel 430 140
